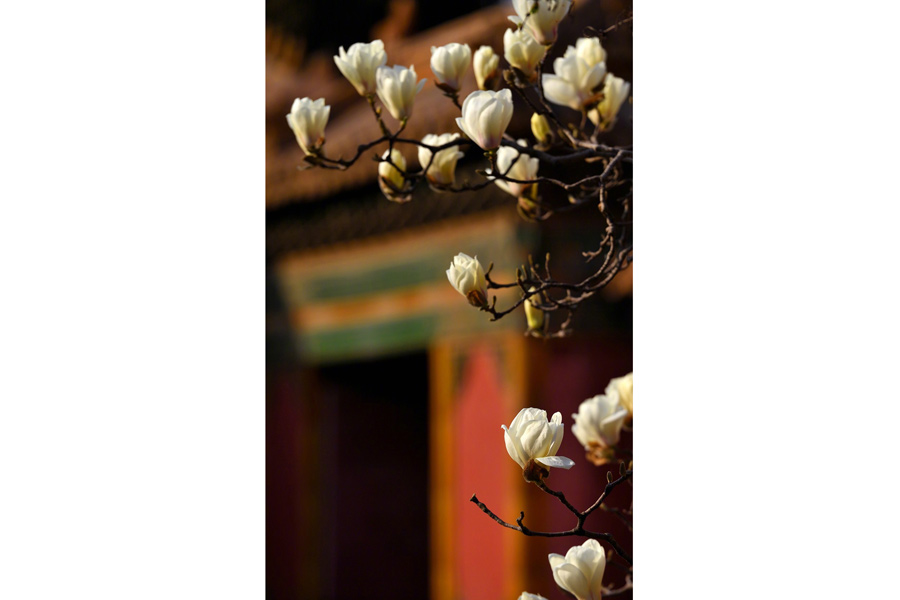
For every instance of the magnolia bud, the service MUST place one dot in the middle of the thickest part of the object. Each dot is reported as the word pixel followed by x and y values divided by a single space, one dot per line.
pixel 467 276
pixel 623 389
pixel 308 119
pixel 443 165
pixel 359 64
pixel 598 423
pixel 580 571
pixel 391 181
pixel 515 165
pixel 540 128
pixel 534 316
pixel 615 93
pixel 485 117
pixel 449 63
pixel 397 89
pixel 487 68
pixel 523 52
pixel 542 17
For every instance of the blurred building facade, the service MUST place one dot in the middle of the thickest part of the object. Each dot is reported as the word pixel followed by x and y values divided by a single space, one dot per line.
pixel 385 389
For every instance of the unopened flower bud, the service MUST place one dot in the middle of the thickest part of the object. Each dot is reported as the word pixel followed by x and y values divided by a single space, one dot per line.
pixel 359 64
pixel 623 389
pixel 542 17
pixel 443 165
pixel 467 276
pixel 527 207
pixel 487 68
pixel 534 316
pixel 598 423
pixel 515 165
pixel 540 128
pixel 523 52
pixel 397 89
pixel 485 117
pixel 615 93
pixel 391 181
pixel 580 571
pixel 449 63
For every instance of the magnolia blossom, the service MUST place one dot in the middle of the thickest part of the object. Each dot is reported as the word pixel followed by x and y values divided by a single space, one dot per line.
pixel 487 68
pixel 485 117
pixel 541 16
pixel 622 388
pixel 522 51
pixel 308 119
pixel 598 423
pixel 397 88
pixel 443 165
pixel 590 51
pixel 467 276
pixel 522 167
pixel 527 596
pixel 531 438
pixel 576 80
pixel 580 571
pixel 360 63
pixel 449 63
pixel 615 93
pixel 390 180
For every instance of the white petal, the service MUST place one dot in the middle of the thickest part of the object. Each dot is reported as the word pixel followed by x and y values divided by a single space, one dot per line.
pixel 571 579
pixel 511 447
pixel 559 462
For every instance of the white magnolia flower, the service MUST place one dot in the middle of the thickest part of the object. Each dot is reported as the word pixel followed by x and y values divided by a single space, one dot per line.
pixel 487 68
pixel 360 63
pixel 615 93
pixel 308 119
pixel 590 51
pixel 622 388
pixel 598 421
pixel 580 571
pixel 523 167
pixel 449 63
pixel 527 596
pixel 485 117
pixel 390 180
pixel 523 51
pixel 541 16
pixel 467 276
pixel 576 80
pixel 531 437
pixel 397 88
pixel 443 166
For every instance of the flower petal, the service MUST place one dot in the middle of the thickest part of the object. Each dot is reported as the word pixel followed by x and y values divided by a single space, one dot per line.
pixel 571 579
pixel 559 462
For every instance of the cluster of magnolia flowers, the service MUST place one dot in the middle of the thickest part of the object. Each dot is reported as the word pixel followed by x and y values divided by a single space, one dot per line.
pixel 580 81
pixel 579 572
pixel 532 440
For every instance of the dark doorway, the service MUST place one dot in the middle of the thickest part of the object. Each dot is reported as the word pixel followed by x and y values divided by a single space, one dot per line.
pixel 375 478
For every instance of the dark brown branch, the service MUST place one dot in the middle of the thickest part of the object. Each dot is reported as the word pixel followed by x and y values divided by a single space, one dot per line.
pixel 577 530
